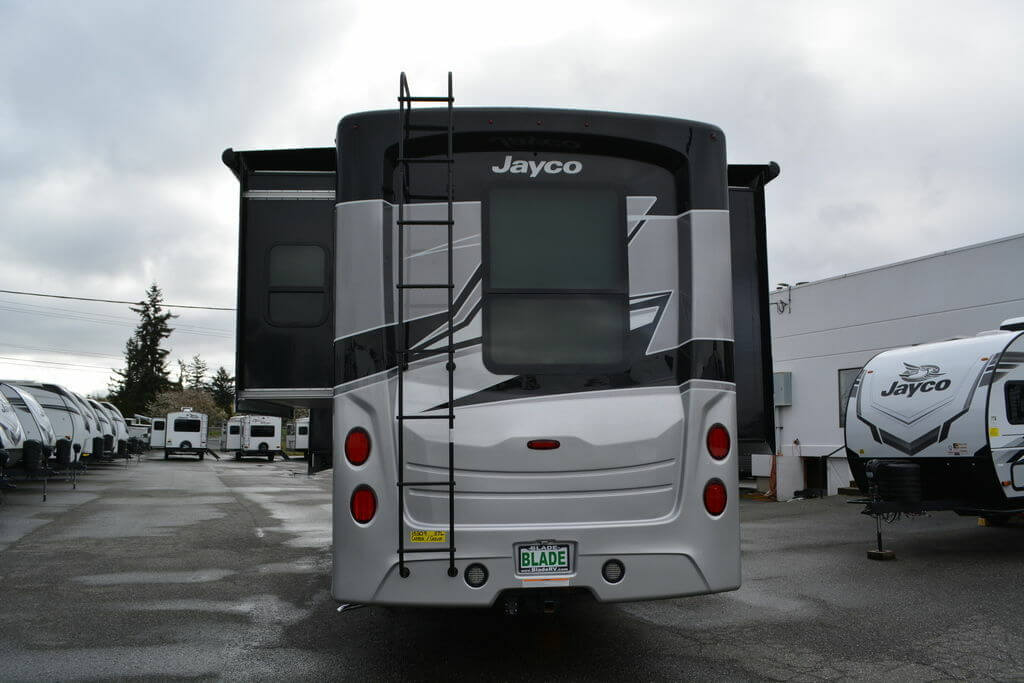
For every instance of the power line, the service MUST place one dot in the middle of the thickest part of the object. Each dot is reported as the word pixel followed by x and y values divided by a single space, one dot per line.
pixel 98 317
pixel 44 367
pixel 114 322
pixel 112 301
pixel 55 350
pixel 51 362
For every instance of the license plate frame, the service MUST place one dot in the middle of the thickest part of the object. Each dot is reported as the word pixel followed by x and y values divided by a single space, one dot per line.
pixel 558 568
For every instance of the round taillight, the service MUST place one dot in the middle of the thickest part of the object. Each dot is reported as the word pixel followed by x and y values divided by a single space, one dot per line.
pixel 475 575
pixel 718 441
pixel 363 504
pixel 357 446
pixel 715 497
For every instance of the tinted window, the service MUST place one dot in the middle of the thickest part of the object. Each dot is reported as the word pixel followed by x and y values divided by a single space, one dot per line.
pixel 847 377
pixel 187 425
pixel 556 286
pixel 234 429
pixel 1015 402
pixel 158 425
pixel 297 265
pixel 261 430
pixel 303 431
pixel 296 285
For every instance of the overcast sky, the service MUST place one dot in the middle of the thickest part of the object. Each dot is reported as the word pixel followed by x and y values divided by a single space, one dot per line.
pixel 896 126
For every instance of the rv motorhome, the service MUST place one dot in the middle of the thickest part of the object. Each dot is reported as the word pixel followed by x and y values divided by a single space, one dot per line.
pixel 40 440
pixel 532 374
pixel 186 433
pixel 941 426
pixel 260 436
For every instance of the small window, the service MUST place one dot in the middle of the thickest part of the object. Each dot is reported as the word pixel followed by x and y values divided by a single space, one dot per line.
pixel 234 429
pixel 261 430
pixel 847 377
pixel 303 431
pixel 296 285
pixel 187 425
pixel 556 285
pixel 158 425
pixel 1015 402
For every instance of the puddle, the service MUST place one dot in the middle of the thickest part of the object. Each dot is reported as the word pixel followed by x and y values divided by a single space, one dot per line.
pixel 124 578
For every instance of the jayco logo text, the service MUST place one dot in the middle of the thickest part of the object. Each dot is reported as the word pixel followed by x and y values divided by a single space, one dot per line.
pixel 535 168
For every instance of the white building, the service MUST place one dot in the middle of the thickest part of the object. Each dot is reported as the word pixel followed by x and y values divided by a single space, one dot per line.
pixel 823 332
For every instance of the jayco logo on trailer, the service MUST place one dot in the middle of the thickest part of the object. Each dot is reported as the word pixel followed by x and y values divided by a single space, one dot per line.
pixel 918 378
pixel 535 168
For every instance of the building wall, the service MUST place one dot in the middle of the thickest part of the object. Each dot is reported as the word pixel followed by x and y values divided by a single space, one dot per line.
pixel 821 327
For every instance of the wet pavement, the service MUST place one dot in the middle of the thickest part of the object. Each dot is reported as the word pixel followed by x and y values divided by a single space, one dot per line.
pixel 219 570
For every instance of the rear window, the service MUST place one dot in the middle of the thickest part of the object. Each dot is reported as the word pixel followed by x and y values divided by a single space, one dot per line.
pixel 158 425
pixel 303 431
pixel 297 285
pixel 261 430
pixel 234 429
pixel 555 284
pixel 1015 402
pixel 187 425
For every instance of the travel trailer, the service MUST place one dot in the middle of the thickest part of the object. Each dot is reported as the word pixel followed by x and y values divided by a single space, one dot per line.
pixel 121 427
pixel 298 439
pixel 233 433
pixel 40 440
pixel 107 427
pixel 532 372
pixel 12 436
pixel 158 432
pixel 186 433
pixel 139 427
pixel 260 436
pixel 65 417
pixel 941 426
pixel 94 440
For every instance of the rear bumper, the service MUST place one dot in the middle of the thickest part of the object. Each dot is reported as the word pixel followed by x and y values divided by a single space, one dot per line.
pixel 648 576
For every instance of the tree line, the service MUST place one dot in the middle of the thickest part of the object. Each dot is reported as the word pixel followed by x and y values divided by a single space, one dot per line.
pixel 144 385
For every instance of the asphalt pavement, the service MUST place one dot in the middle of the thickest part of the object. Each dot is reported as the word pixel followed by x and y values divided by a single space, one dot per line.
pixel 182 569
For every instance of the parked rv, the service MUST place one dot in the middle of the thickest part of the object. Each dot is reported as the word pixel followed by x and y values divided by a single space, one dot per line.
pixel 260 435
pixel 186 433
pixel 40 440
pixel 12 437
pixel 94 449
pixel 233 433
pixel 941 426
pixel 542 354
pixel 158 432
pixel 107 427
pixel 139 427
pixel 121 433
pixel 65 416
pixel 299 437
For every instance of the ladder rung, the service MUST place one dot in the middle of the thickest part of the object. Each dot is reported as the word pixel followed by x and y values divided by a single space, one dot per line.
pixel 424 197
pixel 426 417
pixel 442 549
pixel 421 160
pixel 426 483
pixel 426 127
pixel 438 223
pixel 426 286
pixel 426 98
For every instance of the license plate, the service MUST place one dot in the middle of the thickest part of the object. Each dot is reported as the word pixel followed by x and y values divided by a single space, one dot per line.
pixel 533 559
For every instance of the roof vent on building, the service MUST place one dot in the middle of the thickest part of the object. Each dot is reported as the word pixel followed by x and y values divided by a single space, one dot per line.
pixel 1012 324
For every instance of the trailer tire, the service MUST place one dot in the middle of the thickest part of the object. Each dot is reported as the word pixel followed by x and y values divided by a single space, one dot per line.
pixel 63 452
pixel 32 456
pixel 202 455
pixel 270 458
pixel 167 453
pixel 900 482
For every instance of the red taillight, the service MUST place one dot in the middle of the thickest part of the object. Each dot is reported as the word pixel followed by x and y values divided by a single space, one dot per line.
pixel 363 504
pixel 715 497
pixel 357 446
pixel 718 441
pixel 542 444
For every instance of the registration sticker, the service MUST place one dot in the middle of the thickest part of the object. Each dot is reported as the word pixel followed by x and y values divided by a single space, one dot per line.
pixel 428 536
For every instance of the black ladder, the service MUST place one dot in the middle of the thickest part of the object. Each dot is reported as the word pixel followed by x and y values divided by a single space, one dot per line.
pixel 403 352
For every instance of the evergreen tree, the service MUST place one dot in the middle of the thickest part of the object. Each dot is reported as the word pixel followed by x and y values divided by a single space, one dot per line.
pixel 195 373
pixel 222 386
pixel 145 373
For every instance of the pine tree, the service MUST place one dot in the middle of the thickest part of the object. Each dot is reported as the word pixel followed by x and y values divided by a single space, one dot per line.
pixel 195 373
pixel 222 386
pixel 145 373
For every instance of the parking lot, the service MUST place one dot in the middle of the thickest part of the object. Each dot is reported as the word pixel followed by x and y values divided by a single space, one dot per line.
pixel 219 569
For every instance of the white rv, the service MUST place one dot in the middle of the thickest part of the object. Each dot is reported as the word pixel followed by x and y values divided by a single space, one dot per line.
pixel 107 427
pixel 158 432
pixel 93 443
pixel 531 374
pixel 12 436
pixel 66 418
pixel 300 437
pixel 260 436
pixel 40 440
pixel 121 429
pixel 186 433
pixel 139 427
pixel 941 426
pixel 233 433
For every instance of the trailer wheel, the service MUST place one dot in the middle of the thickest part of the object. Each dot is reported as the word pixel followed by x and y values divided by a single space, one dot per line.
pixel 201 455
pixel 32 456
pixel 167 453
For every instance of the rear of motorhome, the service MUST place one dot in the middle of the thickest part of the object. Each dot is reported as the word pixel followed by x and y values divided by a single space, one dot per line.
pixel 531 372
pixel 941 427
pixel 260 436
pixel 186 432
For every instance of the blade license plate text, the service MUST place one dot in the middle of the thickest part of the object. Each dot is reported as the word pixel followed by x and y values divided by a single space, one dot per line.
pixel 544 558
